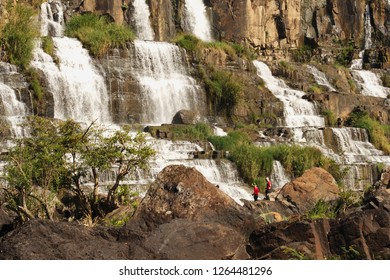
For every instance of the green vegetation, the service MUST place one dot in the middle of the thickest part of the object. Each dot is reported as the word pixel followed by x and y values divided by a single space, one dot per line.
pixel 330 118
pixel 224 89
pixel 302 54
pixel 379 134
pixel 193 44
pixel 18 35
pixel 322 210
pixel 199 131
pixel 58 156
pixel 35 84
pixel 294 254
pixel 316 89
pixel 187 41
pixel 255 163
pixel 345 55
pixel 243 51
pixel 97 33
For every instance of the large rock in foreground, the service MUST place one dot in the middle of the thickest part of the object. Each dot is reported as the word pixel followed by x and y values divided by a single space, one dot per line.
pixel 183 216
pixel 181 192
pixel 49 240
pixel 304 192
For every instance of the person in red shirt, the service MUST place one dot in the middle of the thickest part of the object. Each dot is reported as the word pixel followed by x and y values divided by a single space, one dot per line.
pixel 255 191
pixel 268 188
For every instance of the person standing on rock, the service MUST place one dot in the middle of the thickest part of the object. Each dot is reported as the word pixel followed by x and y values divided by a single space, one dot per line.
pixel 255 191
pixel 268 188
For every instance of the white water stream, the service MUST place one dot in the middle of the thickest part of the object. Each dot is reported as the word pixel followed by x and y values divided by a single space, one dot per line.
pixel 348 146
pixel 77 87
pixel 196 20
pixel 141 20
pixel 370 83
pixel 162 72
pixel 298 112
pixel 320 78
pixel 13 109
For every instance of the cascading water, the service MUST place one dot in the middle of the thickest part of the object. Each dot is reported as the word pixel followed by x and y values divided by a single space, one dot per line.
pixel 320 78
pixel 196 20
pixel 141 21
pixel 354 146
pixel 347 146
pixel 370 83
pixel 298 112
pixel 52 18
pixel 221 172
pixel 278 176
pixel 161 70
pixel 78 89
pixel 13 109
pixel 367 28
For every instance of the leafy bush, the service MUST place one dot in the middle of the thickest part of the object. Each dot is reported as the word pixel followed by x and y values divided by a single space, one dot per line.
pixel 330 118
pixel 243 51
pixel 345 55
pixel 224 91
pixel 322 210
pixel 255 163
pixel 199 131
pixel 231 141
pixel 97 33
pixel 18 35
pixel 187 41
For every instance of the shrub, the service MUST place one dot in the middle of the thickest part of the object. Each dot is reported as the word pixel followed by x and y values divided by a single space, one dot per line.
pixel 330 118
pixel 187 41
pixel 243 51
pixel 255 163
pixel 97 33
pixel 224 91
pixel 322 210
pixel 199 131
pixel 18 35
pixel 316 89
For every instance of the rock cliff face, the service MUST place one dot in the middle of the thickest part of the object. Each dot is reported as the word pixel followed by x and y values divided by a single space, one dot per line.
pixel 261 23
pixel 113 8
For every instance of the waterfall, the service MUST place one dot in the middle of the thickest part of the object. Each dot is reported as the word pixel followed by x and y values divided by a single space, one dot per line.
pixel 279 176
pixel 78 89
pixel 219 131
pixel 52 18
pixel 347 146
pixel 367 29
pixel 141 21
pixel 320 78
pixel 370 83
pixel 298 112
pixel 13 109
pixel 353 143
pixel 166 86
pixel 218 172
pixel 196 20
